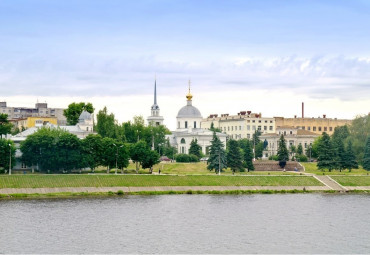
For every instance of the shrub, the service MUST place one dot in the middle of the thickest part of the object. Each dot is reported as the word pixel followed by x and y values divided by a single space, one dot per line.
pixel 302 158
pixel 186 158
pixel 120 192
pixel 274 157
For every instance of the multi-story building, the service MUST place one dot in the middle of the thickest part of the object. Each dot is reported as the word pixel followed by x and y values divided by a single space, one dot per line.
pixel 315 125
pixel 40 110
pixel 242 125
pixel 293 136
pixel 24 123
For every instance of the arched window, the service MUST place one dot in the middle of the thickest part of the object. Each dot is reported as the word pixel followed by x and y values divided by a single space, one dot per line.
pixel 182 140
pixel 186 124
pixel 195 124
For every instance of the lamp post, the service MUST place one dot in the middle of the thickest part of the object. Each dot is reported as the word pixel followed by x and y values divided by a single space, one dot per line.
pixel 310 151
pixel 115 172
pixel 219 162
pixel 10 159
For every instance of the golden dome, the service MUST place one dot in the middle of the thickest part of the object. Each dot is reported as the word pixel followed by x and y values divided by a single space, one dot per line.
pixel 189 96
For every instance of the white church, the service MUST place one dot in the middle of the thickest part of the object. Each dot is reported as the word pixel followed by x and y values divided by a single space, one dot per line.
pixel 188 123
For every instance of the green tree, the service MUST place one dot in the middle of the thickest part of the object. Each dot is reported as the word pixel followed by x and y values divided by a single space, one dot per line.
pixel 74 110
pixel 7 151
pixel 247 148
pixel 213 129
pixel 92 147
pixel 106 126
pixel 234 156
pixel 5 126
pixel 359 131
pixel 259 150
pixel 217 155
pixel 300 149
pixel 350 158
pixel 138 153
pixel 340 155
pixel 108 157
pixel 195 148
pixel 366 160
pixel 326 153
pixel 282 153
pixel 150 159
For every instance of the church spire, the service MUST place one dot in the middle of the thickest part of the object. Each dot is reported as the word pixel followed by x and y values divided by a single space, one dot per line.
pixel 155 91
pixel 189 96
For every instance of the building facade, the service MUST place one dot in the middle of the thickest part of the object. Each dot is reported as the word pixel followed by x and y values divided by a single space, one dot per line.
pixel 292 135
pixel 24 123
pixel 315 125
pixel 189 128
pixel 40 110
pixel 242 125
pixel 155 118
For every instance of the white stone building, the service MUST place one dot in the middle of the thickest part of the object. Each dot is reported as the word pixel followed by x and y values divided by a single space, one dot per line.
pixel 189 127
pixel 293 136
pixel 242 125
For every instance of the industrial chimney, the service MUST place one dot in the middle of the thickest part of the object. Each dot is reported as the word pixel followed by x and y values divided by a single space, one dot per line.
pixel 302 110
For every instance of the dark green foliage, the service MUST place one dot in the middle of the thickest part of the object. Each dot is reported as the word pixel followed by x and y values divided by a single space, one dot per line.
pixel 341 133
pixel 259 150
pixel 350 158
pixel 217 155
pixel 302 158
pixel 234 156
pixel 340 154
pixel 92 147
pixel 185 158
pixel 366 160
pixel 195 148
pixel 360 130
pixel 282 153
pixel 326 153
pixel 256 137
pixel 150 159
pixel 299 149
pixel 212 128
pixel 247 148
pixel 74 110
pixel 5 126
pixel 168 150
pixel 53 150
pixel 6 152
pixel 105 124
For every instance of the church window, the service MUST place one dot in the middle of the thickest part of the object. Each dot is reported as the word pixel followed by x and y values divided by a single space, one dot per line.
pixel 178 124
pixel 186 124
pixel 195 124
pixel 182 150
pixel 182 140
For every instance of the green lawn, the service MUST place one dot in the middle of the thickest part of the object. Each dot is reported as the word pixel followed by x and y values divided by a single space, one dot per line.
pixel 52 181
pixel 312 168
pixel 352 180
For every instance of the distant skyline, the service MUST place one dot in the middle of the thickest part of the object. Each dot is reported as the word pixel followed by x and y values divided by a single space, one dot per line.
pixel 263 56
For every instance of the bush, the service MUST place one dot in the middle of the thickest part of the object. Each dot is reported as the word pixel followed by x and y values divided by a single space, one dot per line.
pixel 274 157
pixel 302 158
pixel 186 158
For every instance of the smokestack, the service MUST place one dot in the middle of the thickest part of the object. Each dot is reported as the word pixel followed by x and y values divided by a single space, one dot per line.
pixel 302 110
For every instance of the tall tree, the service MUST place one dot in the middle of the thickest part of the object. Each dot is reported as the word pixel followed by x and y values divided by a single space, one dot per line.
pixel 7 154
pixel 326 153
pixel 247 148
pixel 195 148
pixel 282 153
pixel 74 110
pixel 213 129
pixel 350 158
pixel 105 124
pixel 92 147
pixel 217 155
pixel 150 159
pixel 366 160
pixel 5 126
pixel 340 155
pixel 360 130
pixel 234 156
pixel 138 153
pixel 300 149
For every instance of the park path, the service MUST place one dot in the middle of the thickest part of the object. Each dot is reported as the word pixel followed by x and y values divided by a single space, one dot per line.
pixel 328 182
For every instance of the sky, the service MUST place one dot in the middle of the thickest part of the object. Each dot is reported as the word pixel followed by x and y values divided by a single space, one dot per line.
pixel 264 56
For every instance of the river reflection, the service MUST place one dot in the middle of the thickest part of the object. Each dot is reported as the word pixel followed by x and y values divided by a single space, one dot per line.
pixel 279 223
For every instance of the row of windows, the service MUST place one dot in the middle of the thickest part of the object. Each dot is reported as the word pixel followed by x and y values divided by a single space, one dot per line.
pixel 259 121
pixel 235 128
pixel 325 129
pixel 186 124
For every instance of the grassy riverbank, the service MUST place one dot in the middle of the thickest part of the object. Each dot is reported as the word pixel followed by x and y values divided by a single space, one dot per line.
pixel 311 167
pixel 57 181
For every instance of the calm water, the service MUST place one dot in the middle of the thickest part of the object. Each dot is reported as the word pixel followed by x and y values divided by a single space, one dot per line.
pixel 282 223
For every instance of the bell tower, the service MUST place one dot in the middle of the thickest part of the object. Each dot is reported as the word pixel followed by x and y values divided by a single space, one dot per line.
pixel 155 118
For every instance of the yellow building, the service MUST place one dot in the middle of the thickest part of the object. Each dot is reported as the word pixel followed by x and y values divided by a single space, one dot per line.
pixel 315 125
pixel 29 122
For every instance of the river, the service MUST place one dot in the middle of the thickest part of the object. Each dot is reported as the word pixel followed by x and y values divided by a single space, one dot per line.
pixel 278 223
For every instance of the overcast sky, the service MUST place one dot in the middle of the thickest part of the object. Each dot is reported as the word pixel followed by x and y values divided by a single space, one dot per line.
pixel 263 56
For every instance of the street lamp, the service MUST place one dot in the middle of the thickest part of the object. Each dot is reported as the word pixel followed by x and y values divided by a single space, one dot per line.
pixel 219 162
pixel 10 159
pixel 310 151
pixel 115 172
